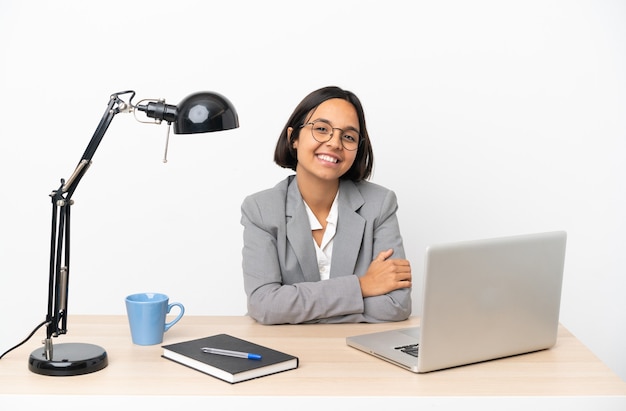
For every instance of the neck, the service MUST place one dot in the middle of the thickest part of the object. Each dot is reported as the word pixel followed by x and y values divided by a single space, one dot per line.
pixel 318 194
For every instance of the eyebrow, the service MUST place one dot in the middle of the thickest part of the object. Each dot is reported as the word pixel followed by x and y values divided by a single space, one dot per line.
pixel 329 122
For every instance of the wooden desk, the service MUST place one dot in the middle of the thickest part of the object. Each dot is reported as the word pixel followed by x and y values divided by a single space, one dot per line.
pixel 328 368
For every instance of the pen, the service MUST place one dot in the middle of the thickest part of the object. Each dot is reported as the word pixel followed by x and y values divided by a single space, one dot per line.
pixel 231 353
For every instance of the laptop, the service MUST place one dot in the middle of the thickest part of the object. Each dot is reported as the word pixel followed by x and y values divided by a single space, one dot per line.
pixel 482 300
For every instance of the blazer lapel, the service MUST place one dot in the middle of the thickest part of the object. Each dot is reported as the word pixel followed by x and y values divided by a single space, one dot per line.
pixel 299 233
pixel 350 229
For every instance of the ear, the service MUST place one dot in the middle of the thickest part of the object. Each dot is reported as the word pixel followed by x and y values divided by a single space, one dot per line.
pixel 294 144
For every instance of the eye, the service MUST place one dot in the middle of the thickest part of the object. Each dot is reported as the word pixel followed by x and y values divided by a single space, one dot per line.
pixel 321 128
pixel 351 137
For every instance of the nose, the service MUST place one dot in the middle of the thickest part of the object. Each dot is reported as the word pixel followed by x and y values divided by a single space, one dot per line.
pixel 336 142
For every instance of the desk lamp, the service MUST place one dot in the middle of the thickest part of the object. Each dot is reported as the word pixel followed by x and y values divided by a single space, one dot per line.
pixel 197 113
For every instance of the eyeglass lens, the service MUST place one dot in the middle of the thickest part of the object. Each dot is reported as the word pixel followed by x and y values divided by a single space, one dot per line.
pixel 323 132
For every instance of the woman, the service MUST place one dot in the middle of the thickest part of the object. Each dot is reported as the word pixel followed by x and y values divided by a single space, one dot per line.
pixel 324 245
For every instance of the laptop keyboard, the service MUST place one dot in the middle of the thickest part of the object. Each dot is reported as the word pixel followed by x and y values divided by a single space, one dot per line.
pixel 411 349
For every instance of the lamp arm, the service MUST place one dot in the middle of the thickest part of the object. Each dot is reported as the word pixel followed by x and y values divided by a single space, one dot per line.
pixel 116 105
pixel 56 318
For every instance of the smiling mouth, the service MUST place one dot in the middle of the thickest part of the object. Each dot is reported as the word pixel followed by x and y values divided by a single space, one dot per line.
pixel 327 158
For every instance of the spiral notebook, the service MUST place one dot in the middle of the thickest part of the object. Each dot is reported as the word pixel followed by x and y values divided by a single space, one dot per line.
pixel 229 368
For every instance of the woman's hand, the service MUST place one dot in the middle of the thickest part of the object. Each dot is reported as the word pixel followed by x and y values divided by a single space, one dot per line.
pixel 385 275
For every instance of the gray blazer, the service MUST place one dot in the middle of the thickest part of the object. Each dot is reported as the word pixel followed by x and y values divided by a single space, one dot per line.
pixel 281 276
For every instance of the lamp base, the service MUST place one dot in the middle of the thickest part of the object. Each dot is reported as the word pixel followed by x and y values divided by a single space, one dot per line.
pixel 69 359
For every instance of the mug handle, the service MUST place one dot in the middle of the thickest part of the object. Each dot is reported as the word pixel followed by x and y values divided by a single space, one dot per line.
pixel 178 317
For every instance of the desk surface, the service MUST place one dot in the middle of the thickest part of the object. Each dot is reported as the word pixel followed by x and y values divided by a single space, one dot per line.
pixel 328 367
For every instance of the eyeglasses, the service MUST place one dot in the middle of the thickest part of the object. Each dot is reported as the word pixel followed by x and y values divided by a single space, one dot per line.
pixel 323 132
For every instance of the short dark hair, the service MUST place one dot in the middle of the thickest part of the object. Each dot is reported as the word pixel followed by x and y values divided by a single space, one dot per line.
pixel 285 155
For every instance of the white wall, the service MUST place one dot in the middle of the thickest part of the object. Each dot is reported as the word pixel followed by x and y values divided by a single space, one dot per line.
pixel 487 118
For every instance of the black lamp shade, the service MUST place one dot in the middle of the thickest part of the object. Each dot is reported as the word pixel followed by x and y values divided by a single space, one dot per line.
pixel 204 112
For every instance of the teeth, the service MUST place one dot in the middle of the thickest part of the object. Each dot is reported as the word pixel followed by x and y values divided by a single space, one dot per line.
pixel 327 158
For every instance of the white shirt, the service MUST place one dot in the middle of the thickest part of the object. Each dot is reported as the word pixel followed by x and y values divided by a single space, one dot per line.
pixel 324 251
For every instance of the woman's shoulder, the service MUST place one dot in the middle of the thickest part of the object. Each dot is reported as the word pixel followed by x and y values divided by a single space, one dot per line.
pixel 369 189
pixel 367 196
pixel 269 195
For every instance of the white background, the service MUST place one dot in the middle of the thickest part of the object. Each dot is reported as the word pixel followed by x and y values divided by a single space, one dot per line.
pixel 488 118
